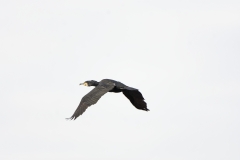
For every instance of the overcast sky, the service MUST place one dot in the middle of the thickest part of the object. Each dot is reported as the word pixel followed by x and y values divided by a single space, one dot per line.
pixel 184 56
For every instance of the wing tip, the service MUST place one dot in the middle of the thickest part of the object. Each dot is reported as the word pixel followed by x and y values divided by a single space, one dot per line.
pixel 146 109
pixel 71 118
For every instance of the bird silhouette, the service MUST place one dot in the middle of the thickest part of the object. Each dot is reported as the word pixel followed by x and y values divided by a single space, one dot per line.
pixel 104 86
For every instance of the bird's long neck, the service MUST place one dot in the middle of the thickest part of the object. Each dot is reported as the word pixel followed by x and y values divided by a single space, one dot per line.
pixel 95 83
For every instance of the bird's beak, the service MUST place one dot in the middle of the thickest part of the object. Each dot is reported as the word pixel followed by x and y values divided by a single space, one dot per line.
pixel 85 84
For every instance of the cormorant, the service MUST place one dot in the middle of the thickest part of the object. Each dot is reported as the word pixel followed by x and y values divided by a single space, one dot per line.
pixel 104 86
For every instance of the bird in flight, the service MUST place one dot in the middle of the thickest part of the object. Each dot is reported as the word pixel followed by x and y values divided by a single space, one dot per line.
pixel 104 86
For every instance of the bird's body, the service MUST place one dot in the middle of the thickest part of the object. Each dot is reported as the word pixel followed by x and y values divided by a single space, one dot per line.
pixel 108 85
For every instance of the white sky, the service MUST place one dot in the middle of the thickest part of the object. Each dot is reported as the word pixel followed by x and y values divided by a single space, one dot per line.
pixel 184 56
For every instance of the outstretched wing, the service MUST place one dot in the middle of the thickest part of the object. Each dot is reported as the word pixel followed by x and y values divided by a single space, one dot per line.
pixel 136 98
pixel 92 97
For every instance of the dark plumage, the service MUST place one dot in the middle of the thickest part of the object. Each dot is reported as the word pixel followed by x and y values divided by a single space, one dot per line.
pixel 108 85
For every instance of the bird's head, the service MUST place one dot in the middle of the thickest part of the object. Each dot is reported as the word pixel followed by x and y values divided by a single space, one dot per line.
pixel 90 83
